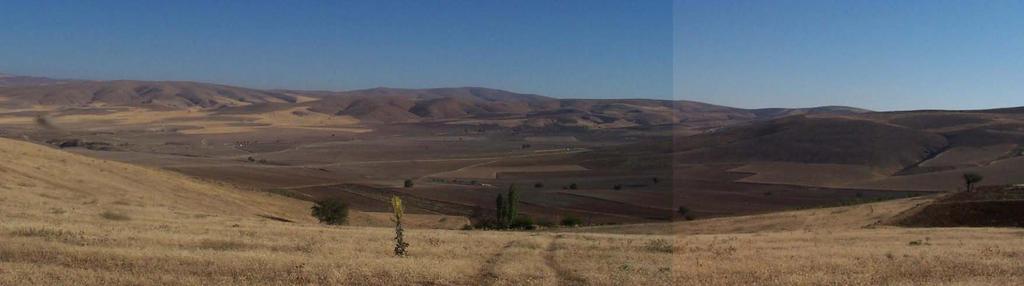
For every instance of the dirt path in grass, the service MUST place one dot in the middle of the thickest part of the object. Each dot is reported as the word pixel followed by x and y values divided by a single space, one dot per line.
pixel 565 275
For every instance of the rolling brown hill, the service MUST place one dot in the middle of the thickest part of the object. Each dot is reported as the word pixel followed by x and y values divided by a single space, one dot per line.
pixel 925 150
pixel 387 105
pixel 395 105
pixel 707 116
pixel 802 139
pixel 138 93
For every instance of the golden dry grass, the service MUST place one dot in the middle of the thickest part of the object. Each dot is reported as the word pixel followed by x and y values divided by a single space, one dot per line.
pixel 837 246
pixel 298 118
pixel 295 118
pixel 889 256
pixel 68 219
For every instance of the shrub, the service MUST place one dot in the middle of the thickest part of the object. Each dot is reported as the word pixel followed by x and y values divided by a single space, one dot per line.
pixel 683 210
pixel 573 186
pixel 617 187
pixel 221 245
pixel 659 245
pixel 331 211
pixel 408 183
pixel 689 217
pixel 289 193
pixel 538 185
pixel 545 222
pixel 114 216
pixel 523 222
pixel 571 221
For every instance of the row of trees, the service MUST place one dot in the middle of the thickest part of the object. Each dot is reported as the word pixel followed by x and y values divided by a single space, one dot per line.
pixel 507 209
pixel 507 214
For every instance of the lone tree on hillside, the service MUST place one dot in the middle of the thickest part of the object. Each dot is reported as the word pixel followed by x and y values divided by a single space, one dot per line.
pixel 971 179
pixel 331 211
pixel 408 183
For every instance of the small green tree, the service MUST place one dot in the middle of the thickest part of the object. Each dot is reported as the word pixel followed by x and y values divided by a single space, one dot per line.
pixel 573 186
pixel 408 183
pixel 571 221
pixel 971 179
pixel 331 211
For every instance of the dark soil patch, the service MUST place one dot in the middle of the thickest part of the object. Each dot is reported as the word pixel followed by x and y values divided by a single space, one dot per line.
pixel 987 207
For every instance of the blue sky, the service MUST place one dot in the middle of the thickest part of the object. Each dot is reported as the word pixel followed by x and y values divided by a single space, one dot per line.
pixel 883 55
pixel 583 48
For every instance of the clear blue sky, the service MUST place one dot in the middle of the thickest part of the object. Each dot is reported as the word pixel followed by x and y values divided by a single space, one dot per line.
pixel 583 48
pixel 883 55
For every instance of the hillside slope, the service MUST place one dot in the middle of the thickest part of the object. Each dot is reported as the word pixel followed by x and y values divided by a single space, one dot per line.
pixel 67 219
pixel 38 181
pixel 802 139
pixel 822 219
pixel 386 105
pixel 138 94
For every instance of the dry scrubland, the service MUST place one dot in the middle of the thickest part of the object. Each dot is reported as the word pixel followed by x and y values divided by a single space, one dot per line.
pixel 890 256
pixel 69 219
pixel 838 246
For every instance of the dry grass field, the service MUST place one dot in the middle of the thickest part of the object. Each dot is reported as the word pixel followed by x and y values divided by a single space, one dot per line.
pixel 70 219
pixel 76 220
pixel 886 256
pixel 837 246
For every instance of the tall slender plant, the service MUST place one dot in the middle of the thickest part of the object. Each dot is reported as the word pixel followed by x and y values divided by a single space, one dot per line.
pixel 511 208
pixel 499 204
pixel 400 244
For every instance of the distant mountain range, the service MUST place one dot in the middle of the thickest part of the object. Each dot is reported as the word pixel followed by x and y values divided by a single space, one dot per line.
pixel 17 80
pixel 389 105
